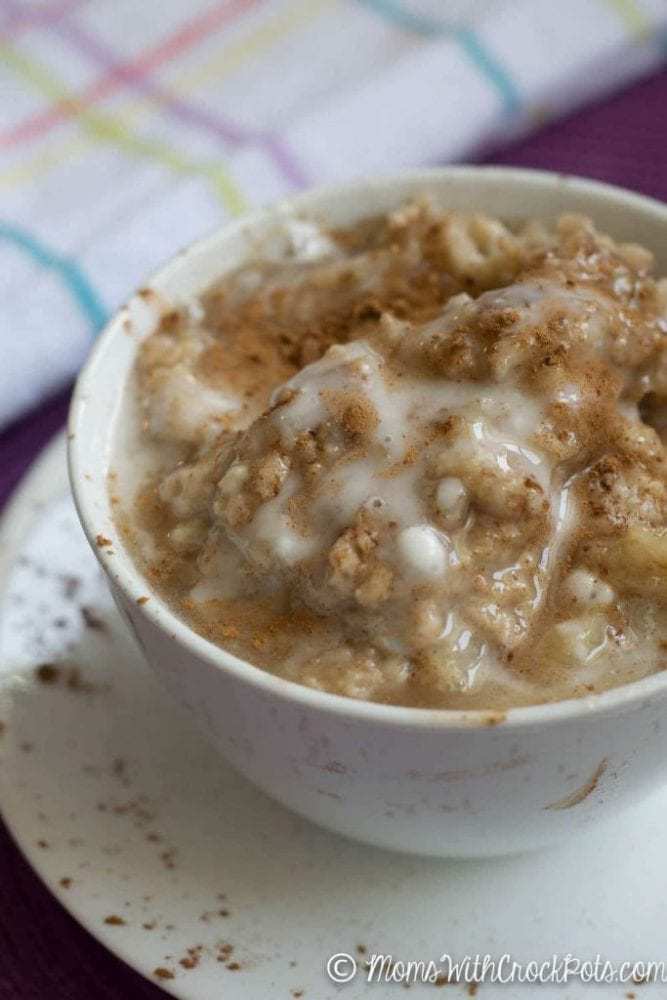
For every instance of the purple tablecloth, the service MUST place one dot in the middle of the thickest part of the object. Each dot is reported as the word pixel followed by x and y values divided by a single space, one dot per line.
pixel 44 955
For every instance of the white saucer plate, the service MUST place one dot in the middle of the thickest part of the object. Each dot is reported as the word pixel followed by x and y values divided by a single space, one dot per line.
pixel 200 882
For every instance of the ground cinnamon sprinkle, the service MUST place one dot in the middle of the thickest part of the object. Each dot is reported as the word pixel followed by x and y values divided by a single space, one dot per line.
pixel 192 958
pixel 74 681
pixel 92 620
pixel 168 858
pixel 71 585
pixel 114 921
pixel 102 541
pixel 47 673
pixel 354 412
pixel 162 973
pixel 495 718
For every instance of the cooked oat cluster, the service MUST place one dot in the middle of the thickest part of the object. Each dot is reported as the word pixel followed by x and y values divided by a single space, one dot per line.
pixel 419 462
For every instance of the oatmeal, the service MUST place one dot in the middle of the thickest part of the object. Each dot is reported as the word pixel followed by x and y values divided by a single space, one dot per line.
pixel 419 462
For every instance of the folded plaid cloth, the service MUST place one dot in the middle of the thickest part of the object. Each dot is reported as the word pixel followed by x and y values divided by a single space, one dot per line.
pixel 129 129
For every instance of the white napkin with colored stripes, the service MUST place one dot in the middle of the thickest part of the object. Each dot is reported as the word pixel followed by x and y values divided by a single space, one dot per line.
pixel 130 129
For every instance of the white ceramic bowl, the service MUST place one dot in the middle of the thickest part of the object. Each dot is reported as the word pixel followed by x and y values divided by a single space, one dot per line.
pixel 430 782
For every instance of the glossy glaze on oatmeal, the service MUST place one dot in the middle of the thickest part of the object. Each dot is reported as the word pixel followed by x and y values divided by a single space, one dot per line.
pixel 419 462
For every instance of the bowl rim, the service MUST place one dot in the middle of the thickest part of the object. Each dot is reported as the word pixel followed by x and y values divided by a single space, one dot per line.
pixel 127 576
